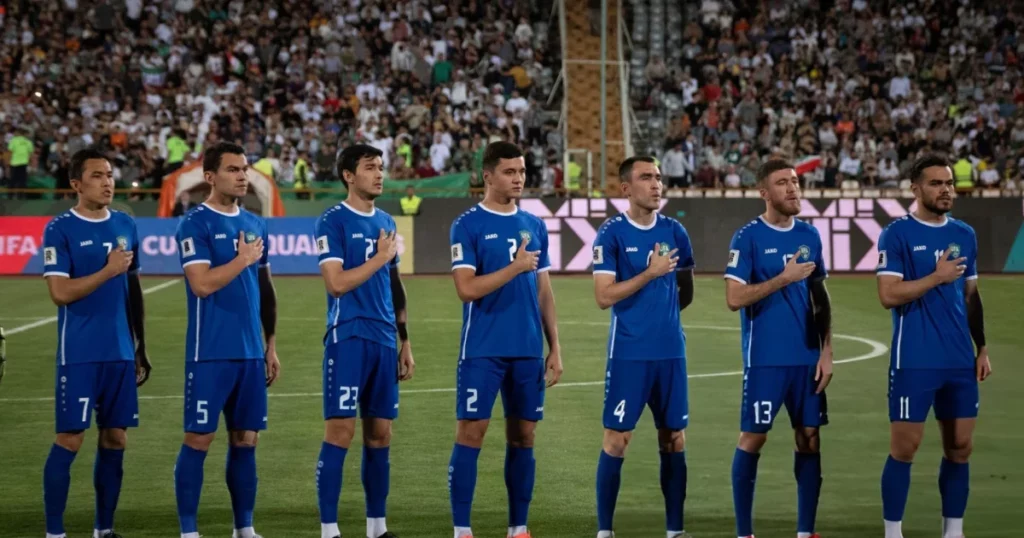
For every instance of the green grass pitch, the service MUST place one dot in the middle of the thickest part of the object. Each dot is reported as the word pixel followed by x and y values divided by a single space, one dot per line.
pixel 568 440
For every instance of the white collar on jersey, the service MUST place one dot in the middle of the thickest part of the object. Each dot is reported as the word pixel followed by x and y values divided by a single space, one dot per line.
pixel 945 220
pixel 237 212
pixel 87 219
pixel 358 212
pixel 777 228
pixel 515 210
pixel 642 226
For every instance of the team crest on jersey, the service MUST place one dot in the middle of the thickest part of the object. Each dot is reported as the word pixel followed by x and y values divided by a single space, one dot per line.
pixel 525 236
pixel 250 237
pixel 954 250
pixel 662 249
pixel 122 242
pixel 805 252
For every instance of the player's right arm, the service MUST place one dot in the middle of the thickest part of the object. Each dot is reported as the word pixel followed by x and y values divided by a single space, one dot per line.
pixel 607 291
pixel 330 243
pixel 65 290
pixel 893 290
pixel 194 250
pixel 470 286
pixel 739 292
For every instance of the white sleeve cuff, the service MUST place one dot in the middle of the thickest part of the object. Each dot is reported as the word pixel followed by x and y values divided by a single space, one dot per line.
pixel 736 278
pixel 889 273
pixel 193 262
pixel 544 269
pixel 55 273
pixel 972 277
pixel 325 260
pixel 265 264
pixel 604 272
pixel 463 266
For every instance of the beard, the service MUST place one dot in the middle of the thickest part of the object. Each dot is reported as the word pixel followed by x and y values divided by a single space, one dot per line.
pixel 933 206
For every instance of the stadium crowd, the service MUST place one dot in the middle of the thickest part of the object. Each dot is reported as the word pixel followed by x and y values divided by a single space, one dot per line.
pixel 862 87
pixel 430 83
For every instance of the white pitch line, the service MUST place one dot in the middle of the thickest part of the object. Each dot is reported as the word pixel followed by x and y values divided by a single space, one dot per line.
pixel 877 349
pixel 53 319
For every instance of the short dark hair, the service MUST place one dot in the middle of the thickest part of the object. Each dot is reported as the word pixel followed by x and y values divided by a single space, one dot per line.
pixel 626 168
pixel 496 151
pixel 771 166
pixel 348 159
pixel 79 159
pixel 212 155
pixel 925 162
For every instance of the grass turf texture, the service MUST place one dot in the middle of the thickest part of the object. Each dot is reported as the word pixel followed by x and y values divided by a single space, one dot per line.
pixel 568 440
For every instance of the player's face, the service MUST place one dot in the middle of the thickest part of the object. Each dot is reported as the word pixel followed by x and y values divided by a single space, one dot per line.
pixel 508 178
pixel 96 185
pixel 644 186
pixel 935 189
pixel 781 189
pixel 230 179
pixel 368 181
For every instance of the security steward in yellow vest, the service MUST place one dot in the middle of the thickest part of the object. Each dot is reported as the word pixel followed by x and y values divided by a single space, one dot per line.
pixel 963 172
pixel 411 202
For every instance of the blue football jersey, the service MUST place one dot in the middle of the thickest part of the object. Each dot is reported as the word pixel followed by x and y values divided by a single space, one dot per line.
pixel 506 323
pixel 645 325
pixel 932 331
pixel 226 324
pixel 349 236
pixel 778 330
pixel 94 328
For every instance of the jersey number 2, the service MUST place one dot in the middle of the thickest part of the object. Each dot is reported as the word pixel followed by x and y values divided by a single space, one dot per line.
pixel 369 248
pixel 512 250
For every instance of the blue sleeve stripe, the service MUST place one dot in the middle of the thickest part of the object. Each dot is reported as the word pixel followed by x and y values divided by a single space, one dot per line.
pixel 736 278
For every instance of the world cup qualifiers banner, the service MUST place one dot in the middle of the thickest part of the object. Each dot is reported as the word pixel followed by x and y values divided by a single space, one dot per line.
pixel 849 228
pixel 291 248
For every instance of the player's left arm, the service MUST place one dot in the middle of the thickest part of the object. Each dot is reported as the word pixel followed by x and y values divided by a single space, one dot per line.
pixel 268 314
pixel 976 317
pixel 684 269
pixel 406 363
pixel 821 311
pixel 137 316
pixel 549 319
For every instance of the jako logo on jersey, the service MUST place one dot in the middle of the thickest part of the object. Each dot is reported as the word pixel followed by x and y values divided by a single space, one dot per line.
pixel 632 249
pixel 85 243
pixel 491 236
pixel 771 251
pixel 221 236
pixel 357 236
pixel 919 248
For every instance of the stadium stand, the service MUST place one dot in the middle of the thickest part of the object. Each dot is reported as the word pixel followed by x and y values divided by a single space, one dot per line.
pixel 154 82
pixel 852 90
